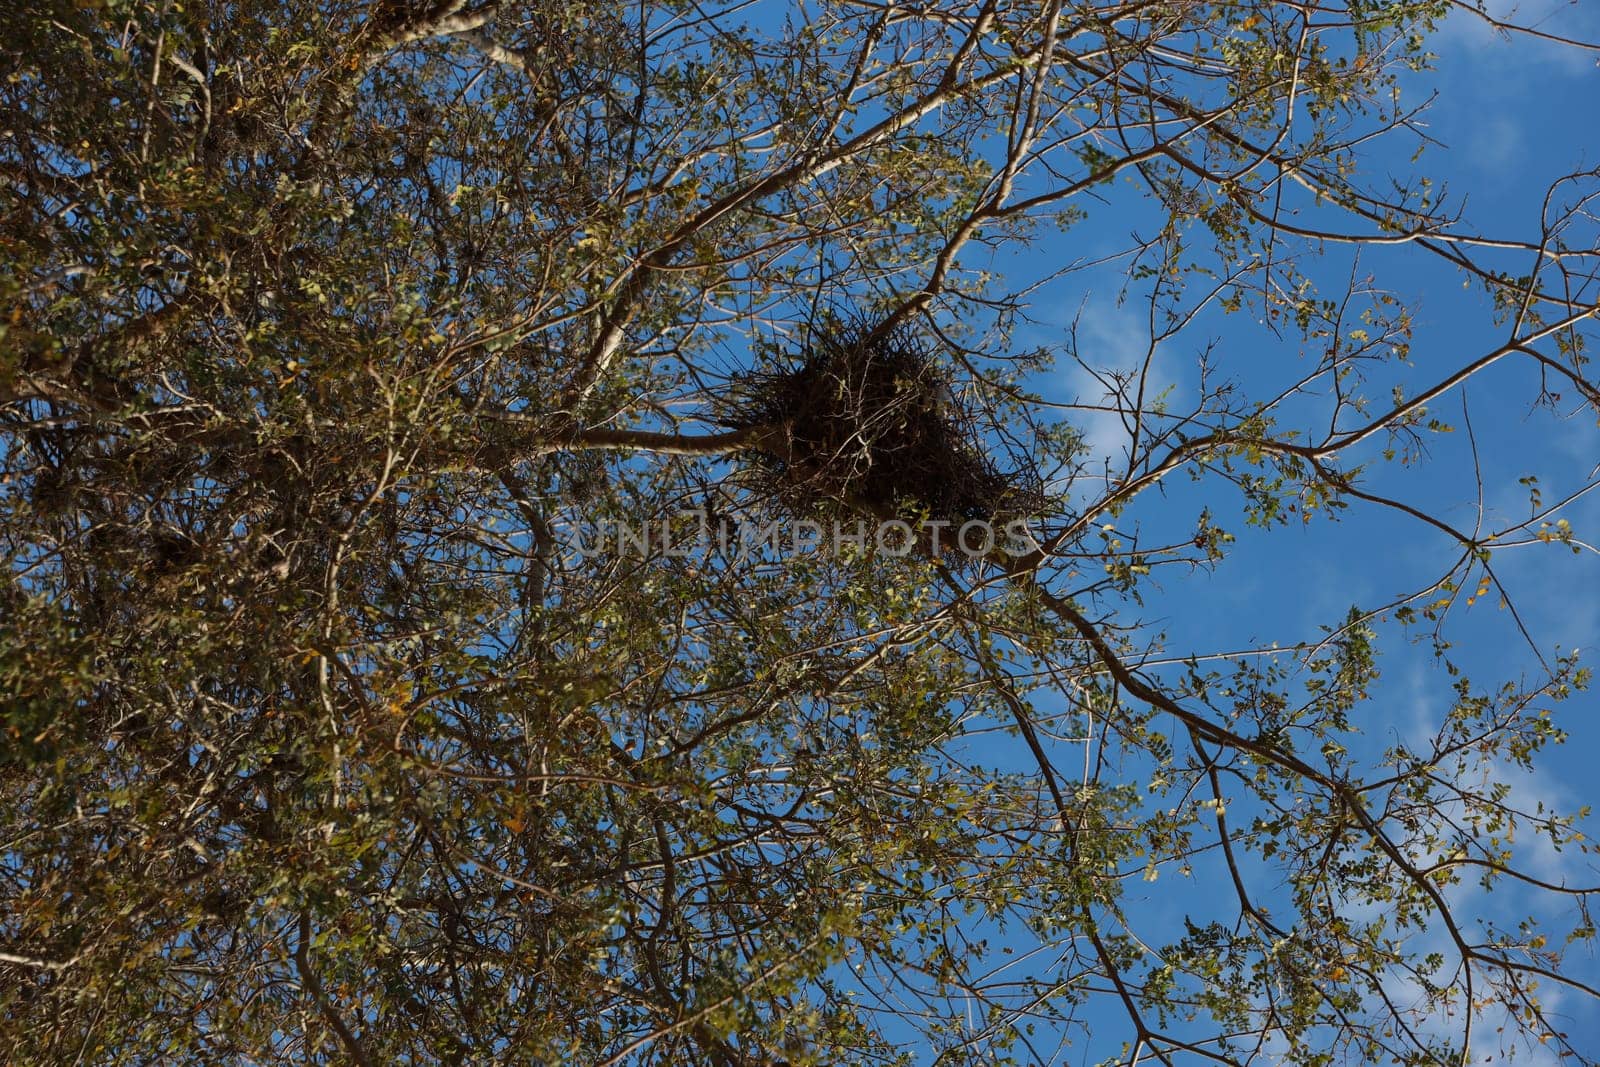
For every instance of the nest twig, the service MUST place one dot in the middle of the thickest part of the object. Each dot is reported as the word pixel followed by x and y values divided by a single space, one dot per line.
pixel 870 422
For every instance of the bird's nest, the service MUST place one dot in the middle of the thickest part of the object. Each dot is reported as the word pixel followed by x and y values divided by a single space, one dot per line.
pixel 869 423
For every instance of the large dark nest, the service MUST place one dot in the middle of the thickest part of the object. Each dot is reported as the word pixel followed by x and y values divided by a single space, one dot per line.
pixel 870 423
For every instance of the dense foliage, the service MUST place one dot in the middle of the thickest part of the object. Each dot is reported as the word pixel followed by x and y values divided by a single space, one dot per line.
pixel 331 329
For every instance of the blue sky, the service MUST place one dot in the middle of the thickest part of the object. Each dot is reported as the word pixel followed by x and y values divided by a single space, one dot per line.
pixel 1511 115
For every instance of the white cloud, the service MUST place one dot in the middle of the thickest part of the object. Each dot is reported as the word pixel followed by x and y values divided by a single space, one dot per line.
pixel 1521 63
pixel 1114 354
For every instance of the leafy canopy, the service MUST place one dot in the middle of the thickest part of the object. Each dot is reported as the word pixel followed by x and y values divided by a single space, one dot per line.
pixel 330 330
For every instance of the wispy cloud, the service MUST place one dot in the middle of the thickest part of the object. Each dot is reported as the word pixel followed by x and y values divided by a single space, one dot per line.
pixel 1465 36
